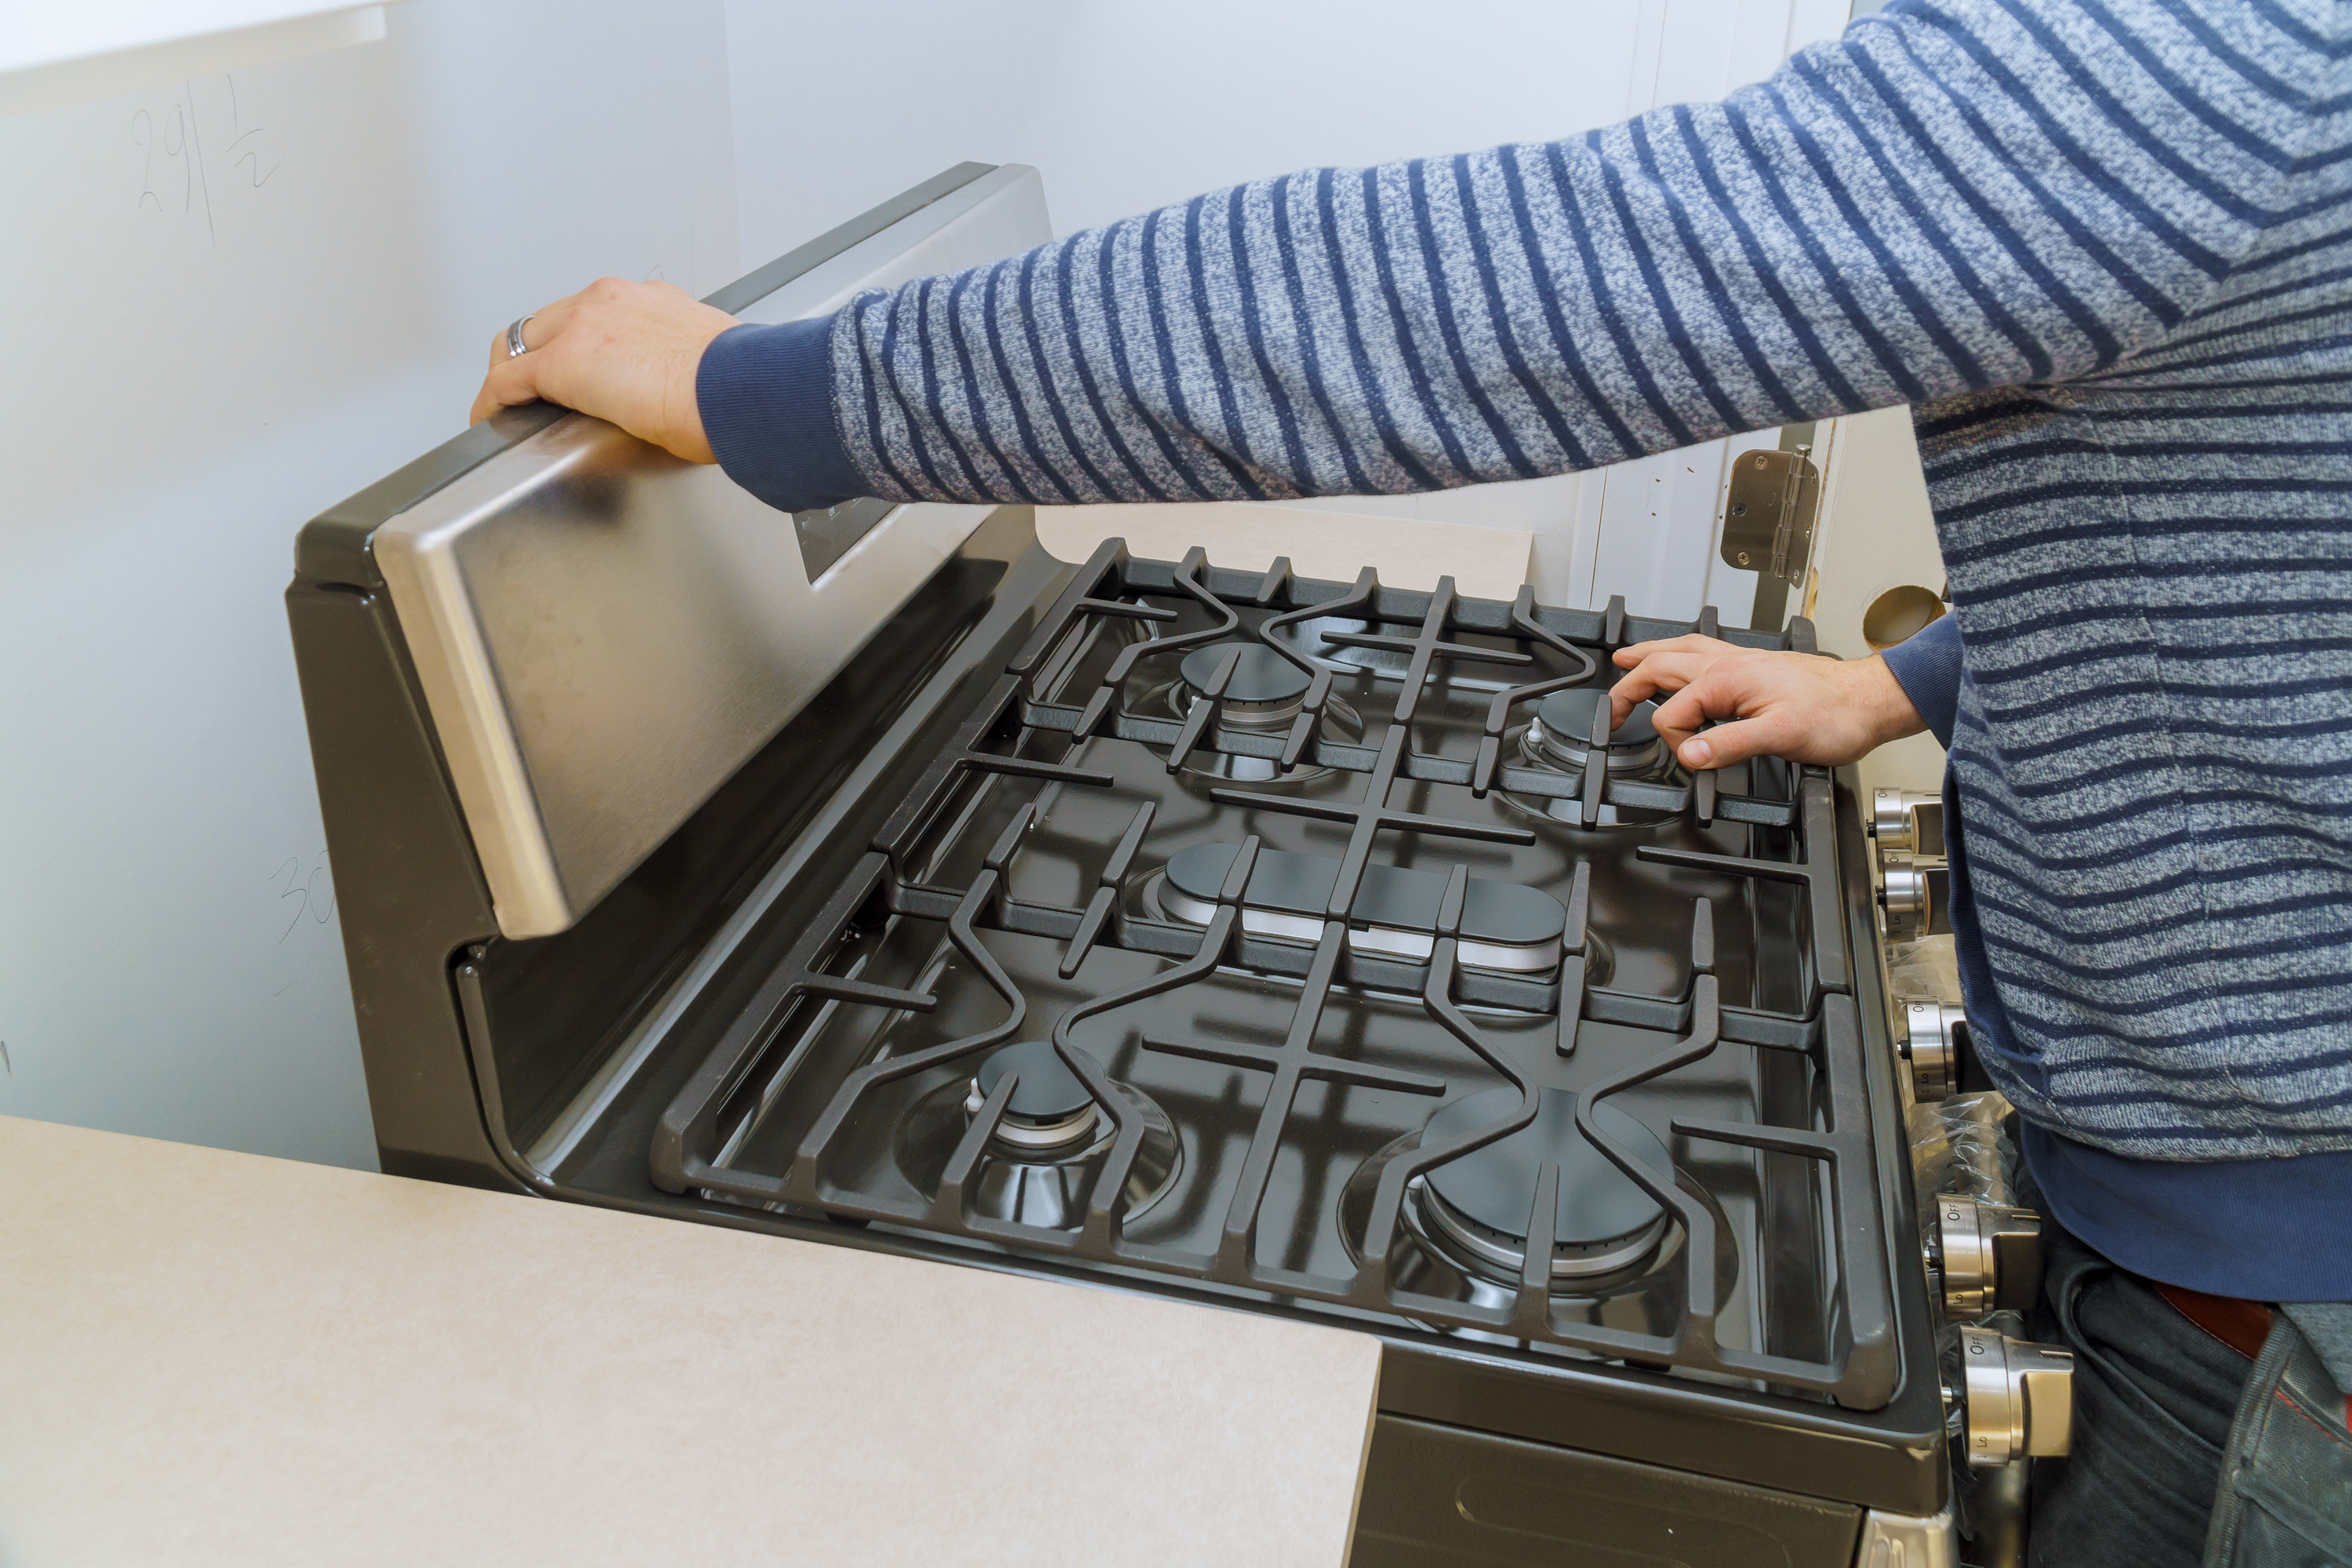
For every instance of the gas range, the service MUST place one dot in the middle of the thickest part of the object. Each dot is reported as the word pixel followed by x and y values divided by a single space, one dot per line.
pixel 1304 947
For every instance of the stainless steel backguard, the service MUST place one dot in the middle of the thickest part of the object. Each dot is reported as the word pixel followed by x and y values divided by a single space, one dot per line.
pixel 604 633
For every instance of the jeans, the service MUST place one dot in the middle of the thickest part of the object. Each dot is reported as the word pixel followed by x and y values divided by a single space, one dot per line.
pixel 2164 1415
pixel 2285 1498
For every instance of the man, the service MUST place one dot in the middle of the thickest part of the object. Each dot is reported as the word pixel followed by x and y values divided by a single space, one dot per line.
pixel 2104 247
pixel 2162 1371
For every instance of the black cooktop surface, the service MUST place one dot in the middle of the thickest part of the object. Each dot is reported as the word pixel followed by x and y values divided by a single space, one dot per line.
pixel 1305 950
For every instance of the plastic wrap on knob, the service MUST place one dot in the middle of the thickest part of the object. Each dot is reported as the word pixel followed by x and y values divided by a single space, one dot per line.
pixel 1957 1146
pixel 1927 967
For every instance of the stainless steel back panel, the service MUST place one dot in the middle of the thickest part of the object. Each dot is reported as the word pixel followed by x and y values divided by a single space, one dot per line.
pixel 604 633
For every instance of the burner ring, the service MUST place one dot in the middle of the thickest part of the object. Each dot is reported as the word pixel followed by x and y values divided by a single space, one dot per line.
pixel 1051 1105
pixel 1557 812
pixel 1021 1133
pixel 1176 699
pixel 1031 1183
pixel 1606 1222
pixel 1266 691
pixel 1562 730
pixel 1501 1254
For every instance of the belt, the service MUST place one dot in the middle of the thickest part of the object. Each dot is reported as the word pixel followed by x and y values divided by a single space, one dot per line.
pixel 2240 1325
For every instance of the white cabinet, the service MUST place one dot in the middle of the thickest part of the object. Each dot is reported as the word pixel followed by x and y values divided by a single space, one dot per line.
pixel 52 55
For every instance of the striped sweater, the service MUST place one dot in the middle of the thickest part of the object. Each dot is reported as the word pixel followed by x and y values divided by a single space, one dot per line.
pixel 2104 247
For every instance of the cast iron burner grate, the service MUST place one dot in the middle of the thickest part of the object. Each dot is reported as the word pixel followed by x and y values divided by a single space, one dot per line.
pixel 1386 930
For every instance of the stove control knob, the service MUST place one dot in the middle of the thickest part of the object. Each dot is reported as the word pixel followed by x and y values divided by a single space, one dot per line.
pixel 1914 894
pixel 2020 1398
pixel 1905 819
pixel 1988 1255
pixel 1928 1034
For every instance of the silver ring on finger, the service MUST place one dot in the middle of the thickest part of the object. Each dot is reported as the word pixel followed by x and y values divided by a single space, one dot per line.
pixel 515 345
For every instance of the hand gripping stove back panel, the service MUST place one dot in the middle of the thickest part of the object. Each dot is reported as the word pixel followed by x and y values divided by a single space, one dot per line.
pixel 604 633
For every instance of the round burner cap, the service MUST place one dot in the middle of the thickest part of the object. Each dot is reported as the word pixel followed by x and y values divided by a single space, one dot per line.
pixel 1568 717
pixel 1260 674
pixel 1048 1092
pixel 1495 1185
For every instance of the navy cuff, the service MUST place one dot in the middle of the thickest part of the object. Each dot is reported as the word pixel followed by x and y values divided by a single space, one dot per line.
pixel 1926 665
pixel 766 398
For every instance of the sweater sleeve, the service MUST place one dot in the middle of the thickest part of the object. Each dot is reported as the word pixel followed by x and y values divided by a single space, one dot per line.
pixel 1955 194
pixel 765 395
pixel 1926 665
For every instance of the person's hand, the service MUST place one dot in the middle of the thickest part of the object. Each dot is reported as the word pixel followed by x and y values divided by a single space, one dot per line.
pixel 621 350
pixel 1794 705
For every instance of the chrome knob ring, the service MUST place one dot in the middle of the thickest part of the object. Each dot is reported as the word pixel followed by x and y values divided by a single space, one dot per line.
pixel 2020 1397
pixel 1914 892
pixel 1927 1035
pixel 1906 819
pixel 1987 1256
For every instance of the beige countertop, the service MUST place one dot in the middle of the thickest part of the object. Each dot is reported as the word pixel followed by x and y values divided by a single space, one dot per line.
pixel 215 1358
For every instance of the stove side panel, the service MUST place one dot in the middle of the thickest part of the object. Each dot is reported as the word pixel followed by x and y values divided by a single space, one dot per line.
pixel 410 891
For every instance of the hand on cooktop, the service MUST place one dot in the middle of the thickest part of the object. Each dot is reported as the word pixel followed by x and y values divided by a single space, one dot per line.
pixel 1800 706
pixel 624 351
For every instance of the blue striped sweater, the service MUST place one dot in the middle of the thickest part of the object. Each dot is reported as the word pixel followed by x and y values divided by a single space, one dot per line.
pixel 2102 247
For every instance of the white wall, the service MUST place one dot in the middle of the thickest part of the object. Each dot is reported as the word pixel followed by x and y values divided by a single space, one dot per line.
pixel 234 302
pixel 230 303
pixel 1125 108
pixel 1128 107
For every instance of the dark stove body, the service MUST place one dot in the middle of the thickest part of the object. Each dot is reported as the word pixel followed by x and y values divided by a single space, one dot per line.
pixel 919 976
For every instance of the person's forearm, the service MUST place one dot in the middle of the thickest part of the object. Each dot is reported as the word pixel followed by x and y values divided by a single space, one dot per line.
pixel 1891 218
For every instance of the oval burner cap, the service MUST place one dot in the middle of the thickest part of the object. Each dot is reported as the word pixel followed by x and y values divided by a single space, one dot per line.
pixel 1568 717
pixel 1260 674
pixel 1495 1185
pixel 1049 1091
pixel 1399 897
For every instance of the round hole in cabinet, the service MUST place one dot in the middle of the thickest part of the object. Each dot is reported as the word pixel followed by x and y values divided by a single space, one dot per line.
pixel 1898 615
